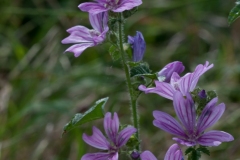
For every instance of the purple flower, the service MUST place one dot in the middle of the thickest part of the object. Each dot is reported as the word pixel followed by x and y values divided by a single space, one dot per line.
pixel 166 73
pixel 191 129
pixel 85 37
pixel 184 84
pixel 174 153
pixel 114 141
pixel 106 5
pixel 147 155
pixel 138 45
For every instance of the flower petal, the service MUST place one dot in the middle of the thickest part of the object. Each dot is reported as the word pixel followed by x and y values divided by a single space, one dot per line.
pixel 169 69
pixel 77 49
pixel 99 21
pixel 174 153
pixel 163 89
pixel 210 115
pixel 185 110
pixel 97 140
pixel 97 156
pixel 214 138
pixel 127 5
pixel 167 123
pixel 92 7
pixel 147 155
pixel 111 126
pixel 188 82
pixel 184 141
pixel 124 135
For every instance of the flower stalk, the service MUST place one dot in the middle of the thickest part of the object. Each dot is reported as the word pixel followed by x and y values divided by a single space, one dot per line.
pixel 133 99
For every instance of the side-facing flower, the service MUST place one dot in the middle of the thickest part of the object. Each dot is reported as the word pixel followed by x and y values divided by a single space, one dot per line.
pixel 147 155
pixel 109 5
pixel 85 37
pixel 166 73
pixel 174 153
pixel 191 130
pixel 114 141
pixel 138 45
pixel 184 84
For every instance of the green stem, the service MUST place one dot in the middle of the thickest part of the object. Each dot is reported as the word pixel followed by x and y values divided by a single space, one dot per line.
pixel 133 100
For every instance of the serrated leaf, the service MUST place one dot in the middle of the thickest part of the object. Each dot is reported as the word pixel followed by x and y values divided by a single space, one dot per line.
pixel 204 150
pixel 114 53
pixel 93 113
pixel 138 69
pixel 234 13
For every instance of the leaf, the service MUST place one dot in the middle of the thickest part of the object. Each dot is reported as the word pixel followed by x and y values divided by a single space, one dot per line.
pixel 139 69
pixel 93 113
pixel 234 13
pixel 189 150
pixel 114 52
pixel 204 150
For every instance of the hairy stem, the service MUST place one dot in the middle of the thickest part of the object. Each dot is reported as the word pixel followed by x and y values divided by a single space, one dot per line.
pixel 133 100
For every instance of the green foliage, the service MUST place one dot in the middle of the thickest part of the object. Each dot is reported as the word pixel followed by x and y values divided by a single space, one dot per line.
pixel 138 68
pixel 93 113
pixel 114 53
pixel 234 13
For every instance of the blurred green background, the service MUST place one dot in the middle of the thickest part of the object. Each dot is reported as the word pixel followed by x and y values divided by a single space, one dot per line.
pixel 41 88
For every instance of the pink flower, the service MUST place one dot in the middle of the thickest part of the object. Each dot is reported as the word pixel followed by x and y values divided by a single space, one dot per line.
pixel 191 130
pixel 184 84
pixel 85 37
pixel 106 5
pixel 114 141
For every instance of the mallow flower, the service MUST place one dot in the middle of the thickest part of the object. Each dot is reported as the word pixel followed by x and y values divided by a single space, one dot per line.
pixel 138 45
pixel 109 5
pixel 184 84
pixel 191 129
pixel 112 143
pixel 173 153
pixel 84 37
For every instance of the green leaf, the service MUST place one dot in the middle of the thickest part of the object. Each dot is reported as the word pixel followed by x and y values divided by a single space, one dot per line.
pixel 93 113
pixel 189 150
pixel 204 150
pixel 234 13
pixel 138 68
pixel 114 52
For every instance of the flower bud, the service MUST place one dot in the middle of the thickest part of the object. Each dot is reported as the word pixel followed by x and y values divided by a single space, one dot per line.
pixel 135 154
pixel 138 45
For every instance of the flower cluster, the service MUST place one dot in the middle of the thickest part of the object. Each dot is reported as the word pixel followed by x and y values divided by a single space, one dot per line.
pixel 195 115
pixel 190 130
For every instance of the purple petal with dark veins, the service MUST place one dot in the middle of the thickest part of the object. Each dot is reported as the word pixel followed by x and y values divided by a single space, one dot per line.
pixel 97 140
pixel 77 49
pixel 185 110
pixel 97 156
pixel 184 141
pixel 92 7
pixel 167 123
pixel 174 153
pixel 163 89
pixel 210 115
pixel 214 138
pixel 127 5
pixel 147 155
pixel 111 126
pixel 124 135
pixel 99 21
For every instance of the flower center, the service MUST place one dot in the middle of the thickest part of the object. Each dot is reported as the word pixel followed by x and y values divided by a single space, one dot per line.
pixel 111 4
